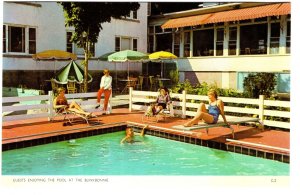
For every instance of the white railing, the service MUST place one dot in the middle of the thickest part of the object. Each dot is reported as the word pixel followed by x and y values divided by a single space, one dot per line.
pixel 184 105
pixel 42 105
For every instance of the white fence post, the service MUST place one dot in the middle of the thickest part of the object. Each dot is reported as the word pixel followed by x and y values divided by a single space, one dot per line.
pixel 183 104
pixel 261 108
pixel 50 110
pixel 130 98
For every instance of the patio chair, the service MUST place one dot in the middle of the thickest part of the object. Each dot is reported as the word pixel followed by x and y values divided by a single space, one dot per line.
pixel 71 87
pixel 140 82
pixel 62 112
pixel 130 83
pixel 152 83
pixel 152 116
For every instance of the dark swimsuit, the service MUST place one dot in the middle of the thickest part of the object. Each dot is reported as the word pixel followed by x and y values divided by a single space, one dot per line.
pixel 61 101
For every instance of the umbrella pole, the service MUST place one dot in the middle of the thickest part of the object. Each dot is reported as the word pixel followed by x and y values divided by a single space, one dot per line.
pixel 127 69
pixel 161 70
pixel 54 68
pixel 116 74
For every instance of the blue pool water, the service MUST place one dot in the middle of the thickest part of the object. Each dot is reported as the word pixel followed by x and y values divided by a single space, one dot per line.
pixel 104 155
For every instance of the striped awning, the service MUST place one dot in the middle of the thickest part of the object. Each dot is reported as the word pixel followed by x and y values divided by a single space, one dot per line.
pixel 231 15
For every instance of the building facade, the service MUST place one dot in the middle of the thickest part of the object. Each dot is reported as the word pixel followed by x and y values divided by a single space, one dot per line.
pixel 32 27
pixel 223 43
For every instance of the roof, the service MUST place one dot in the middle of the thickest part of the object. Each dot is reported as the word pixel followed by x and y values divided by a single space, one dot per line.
pixel 231 15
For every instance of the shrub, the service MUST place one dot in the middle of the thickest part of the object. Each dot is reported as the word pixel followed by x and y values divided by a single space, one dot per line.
pixel 259 84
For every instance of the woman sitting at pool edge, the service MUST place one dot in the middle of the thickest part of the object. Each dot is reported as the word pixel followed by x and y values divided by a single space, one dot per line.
pixel 60 101
pixel 215 108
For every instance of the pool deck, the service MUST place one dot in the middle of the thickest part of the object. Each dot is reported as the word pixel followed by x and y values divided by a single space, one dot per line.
pixel 268 140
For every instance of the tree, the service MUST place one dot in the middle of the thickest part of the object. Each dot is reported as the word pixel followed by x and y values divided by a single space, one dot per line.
pixel 87 19
pixel 259 84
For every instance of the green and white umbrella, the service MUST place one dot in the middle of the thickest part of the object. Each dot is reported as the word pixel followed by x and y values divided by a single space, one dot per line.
pixel 128 56
pixel 71 72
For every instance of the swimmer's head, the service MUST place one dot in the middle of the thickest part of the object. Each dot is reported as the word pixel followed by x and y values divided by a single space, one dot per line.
pixel 129 131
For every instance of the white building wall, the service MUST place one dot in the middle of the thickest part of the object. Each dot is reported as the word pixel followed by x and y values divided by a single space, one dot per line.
pixel 51 34
pixel 262 63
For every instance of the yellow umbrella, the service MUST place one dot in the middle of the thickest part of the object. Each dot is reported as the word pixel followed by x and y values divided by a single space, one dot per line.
pixel 160 56
pixel 54 55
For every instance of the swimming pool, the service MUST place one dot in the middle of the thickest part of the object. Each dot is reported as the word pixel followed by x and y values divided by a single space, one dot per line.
pixel 104 155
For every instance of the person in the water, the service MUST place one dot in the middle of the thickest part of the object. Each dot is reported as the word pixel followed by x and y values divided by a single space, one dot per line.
pixel 129 138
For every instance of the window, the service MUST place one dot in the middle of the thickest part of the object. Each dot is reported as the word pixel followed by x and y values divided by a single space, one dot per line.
pixel 187 44
pixel 283 83
pixel 176 44
pixel 117 44
pixel 203 41
pixel 158 29
pixel 150 43
pixel 232 40
pixel 123 43
pixel 134 44
pixel 32 40
pixel 164 42
pixel 274 39
pixel 134 14
pixel 74 48
pixel 4 39
pixel 220 41
pixel 69 42
pixel 92 49
pixel 19 39
pixel 78 50
pixel 288 38
pixel 151 29
pixel 16 39
pixel 253 39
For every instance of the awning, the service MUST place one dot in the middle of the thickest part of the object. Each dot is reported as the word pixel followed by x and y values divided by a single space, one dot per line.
pixel 231 15
pixel 186 21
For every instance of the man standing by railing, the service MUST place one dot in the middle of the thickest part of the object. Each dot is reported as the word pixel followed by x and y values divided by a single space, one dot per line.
pixel 105 87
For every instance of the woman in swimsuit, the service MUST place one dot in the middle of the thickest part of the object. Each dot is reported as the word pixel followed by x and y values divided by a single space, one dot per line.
pixel 60 101
pixel 215 108
pixel 162 100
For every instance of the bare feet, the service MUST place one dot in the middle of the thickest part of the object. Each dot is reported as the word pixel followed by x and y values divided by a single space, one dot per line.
pixel 188 124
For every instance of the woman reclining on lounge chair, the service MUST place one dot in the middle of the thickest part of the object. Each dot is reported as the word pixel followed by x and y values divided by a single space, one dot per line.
pixel 215 108
pixel 60 101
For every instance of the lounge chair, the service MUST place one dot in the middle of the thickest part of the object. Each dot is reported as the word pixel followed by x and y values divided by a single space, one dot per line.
pixel 70 112
pixel 63 112
pixel 164 114
pixel 232 120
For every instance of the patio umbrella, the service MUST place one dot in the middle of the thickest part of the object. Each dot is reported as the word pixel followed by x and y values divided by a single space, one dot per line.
pixel 160 56
pixel 54 55
pixel 104 57
pixel 127 56
pixel 71 72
